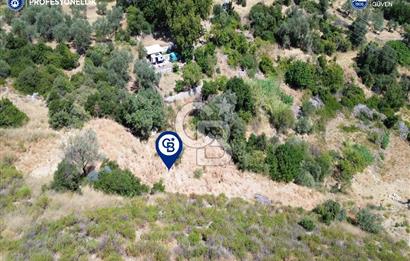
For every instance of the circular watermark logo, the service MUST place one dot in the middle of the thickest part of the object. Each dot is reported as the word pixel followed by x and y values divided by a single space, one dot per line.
pixel 359 4
pixel 15 5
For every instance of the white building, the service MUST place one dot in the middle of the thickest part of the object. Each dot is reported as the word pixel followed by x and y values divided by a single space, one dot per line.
pixel 155 53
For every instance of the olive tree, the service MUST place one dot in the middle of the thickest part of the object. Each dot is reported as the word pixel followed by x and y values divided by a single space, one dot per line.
pixel 358 31
pixel 81 33
pixel 101 7
pixel 146 75
pixel 82 150
pixel 47 19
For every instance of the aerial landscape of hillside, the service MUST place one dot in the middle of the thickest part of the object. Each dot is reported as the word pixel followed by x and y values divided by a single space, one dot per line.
pixel 291 119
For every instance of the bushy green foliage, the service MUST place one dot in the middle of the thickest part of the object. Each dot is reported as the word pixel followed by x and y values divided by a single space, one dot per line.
pixel 304 125
pixel 295 31
pixel 101 7
pixel 136 21
pixel 46 20
pixel 65 112
pixel 107 102
pixel 305 179
pixel 4 69
pixel 399 11
pixel 245 102
pixel 146 75
pixel 67 177
pixel 402 50
pixel 209 88
pixel 191 74
pixel 274 101
pixel 355 159
pixel 266 65
pixel 300 75
pixel 286 161
pixel 332 77
pixel 206 58
pixel 10 115
pixel 225 33
pixel 81 32
pixel 368 221
pixel 158 187
pixel 265 20
pixel 108 65
pixel 113 180
pixel 13 189
pixel 37 80
pixel 352 95
pixel 358 31
pixel 81 151
pixel 330 211
pixel 307 223
pixel 68 60
pixel 145 113
pixel 373 60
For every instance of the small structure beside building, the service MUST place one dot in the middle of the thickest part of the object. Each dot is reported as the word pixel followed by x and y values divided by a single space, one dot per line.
pixel 156 53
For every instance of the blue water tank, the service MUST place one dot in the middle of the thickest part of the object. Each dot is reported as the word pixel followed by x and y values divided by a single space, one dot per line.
pixel 173 57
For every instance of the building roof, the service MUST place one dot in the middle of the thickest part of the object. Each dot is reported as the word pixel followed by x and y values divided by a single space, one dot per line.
pixel 156 48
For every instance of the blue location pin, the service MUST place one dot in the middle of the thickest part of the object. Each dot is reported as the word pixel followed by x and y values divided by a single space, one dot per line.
pixel 169 147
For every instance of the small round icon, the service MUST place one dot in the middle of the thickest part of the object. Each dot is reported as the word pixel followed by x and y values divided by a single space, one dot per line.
pixel 168 144
pixel 359 4
pixel 169 147
pixel 15 5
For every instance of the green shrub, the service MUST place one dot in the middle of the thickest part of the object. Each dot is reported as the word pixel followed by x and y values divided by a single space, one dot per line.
pixel 305 179
pixel 206 59
pixel 285 162
pixel 266 65
pixel 352 95
pixel 402 50
pixel 300 75
pixel 330 211
pixel 356 158
pixel 264 20
pixel 198 173
pixel 244 100
pixel 66 113
pixel 67 59
pixel 175 68
pixel 368 221
pixel 380 138
pixel 209 88
pixel 66 177
pixel 37 80
pixel 113 180
pixel 145 113
pixel 191 74
pixel 10 115
pixel 146 75
pixel 304 125
pixel 158 187
pixel 307 223
pixel 4 69
pixel 283 119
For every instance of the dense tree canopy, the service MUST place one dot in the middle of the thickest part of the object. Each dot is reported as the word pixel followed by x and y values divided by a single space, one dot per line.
pixel 300 75
pixel 264 20
pixel 146 75
pixel 145 113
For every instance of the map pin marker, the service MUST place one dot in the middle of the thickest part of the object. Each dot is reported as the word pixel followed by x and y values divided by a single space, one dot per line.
pixel 169 147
